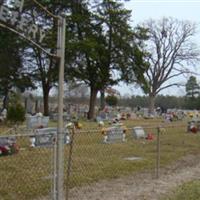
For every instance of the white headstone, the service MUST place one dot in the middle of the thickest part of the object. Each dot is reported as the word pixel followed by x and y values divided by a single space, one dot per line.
pixel 138 132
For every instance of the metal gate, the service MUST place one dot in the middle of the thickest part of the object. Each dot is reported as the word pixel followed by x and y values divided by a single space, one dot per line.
pixel 27 165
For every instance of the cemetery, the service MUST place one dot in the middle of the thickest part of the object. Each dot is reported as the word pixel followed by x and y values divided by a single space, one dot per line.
pixel 118 156
pixel 67 132
pixel 119 142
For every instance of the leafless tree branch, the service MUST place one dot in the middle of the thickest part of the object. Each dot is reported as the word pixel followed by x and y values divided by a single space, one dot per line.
pixel 172 51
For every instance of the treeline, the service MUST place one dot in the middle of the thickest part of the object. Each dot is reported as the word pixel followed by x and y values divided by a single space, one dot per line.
pixel 100 42
pixel 166 102
pixel 102 49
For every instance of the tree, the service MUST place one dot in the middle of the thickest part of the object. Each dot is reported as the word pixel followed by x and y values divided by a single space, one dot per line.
pixel 192 93
pixel 104 44
pixel 111 100
pixel 44 68
pixel 192 87
pixel 166 102
pixel 16 112
pixel 40 66
pixel 12 73
pixel 170 49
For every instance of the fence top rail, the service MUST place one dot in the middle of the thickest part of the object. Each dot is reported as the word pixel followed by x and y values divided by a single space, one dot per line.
pixel 9 130
pixel 33 132
pixel 131 128
pixel 18 135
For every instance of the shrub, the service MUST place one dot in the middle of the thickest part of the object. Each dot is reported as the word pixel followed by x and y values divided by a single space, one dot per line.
pixel 16 113
pixel 111 100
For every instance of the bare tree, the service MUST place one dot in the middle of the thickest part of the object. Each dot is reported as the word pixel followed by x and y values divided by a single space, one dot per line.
pixel 171 51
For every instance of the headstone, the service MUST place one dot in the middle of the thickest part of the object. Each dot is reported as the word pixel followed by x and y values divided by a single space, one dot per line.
pixel 54 116
pixel 4 113
pixel 111 115
pixel 99 119
pixel 138 132
pixel 7 140
pixel 29 104
pixel 115 134
pixel 47 137
pixel 37 122
pixel 66 116
pixel 102 115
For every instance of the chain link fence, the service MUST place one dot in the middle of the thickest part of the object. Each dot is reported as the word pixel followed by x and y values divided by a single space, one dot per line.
pixel 95 162
pixel 27 171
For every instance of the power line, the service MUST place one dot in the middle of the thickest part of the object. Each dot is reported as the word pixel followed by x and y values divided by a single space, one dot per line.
pixel 23 36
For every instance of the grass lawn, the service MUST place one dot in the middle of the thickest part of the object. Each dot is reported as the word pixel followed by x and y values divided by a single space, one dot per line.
pixel 188 191
pixel 26 175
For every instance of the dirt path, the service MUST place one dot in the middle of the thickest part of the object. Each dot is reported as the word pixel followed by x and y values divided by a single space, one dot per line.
pixel 142 186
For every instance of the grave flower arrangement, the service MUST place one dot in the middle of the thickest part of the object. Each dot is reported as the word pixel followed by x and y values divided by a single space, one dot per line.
pixel 8 148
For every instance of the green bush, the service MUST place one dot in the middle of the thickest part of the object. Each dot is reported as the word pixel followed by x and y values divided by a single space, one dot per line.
pixel 111 100
pixel 16 113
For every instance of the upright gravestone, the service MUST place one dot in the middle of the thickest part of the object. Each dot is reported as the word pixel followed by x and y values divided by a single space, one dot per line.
pixel 46 137
pixel 34 122
pixel 114 134
pixel 138 132
pixel 102 115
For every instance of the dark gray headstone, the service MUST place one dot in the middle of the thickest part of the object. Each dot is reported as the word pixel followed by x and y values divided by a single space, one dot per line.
pixel 102 115
pixel 7 140
pixel 46 137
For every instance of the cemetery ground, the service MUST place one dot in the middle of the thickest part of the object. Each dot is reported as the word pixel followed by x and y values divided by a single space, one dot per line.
pixel 99 170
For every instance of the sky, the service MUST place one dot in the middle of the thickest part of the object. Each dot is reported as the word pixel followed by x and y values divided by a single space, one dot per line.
pixel 156 9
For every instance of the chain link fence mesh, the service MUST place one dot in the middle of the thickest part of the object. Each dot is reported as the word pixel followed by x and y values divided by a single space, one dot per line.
pixel 94 161
pixel 26 172
pixel 29 173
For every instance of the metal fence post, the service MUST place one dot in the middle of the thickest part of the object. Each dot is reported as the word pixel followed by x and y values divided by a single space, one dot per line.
pixel 54 167
pixel 70 163
pixel 60 134
pixel 158 154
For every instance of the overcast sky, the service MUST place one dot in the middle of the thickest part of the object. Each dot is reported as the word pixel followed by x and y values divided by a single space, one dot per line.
pixel 156 9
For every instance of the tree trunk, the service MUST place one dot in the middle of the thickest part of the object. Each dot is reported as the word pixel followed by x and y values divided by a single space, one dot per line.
pixel 93 95
pixel 36 106
pixel 5 101
pixel 46 101
pixel 102 100
pixel 26 104
pixel 151 103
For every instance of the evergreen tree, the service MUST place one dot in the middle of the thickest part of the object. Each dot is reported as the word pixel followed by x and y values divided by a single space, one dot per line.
pixel 192 93
pixel 103 44
pixel 192 87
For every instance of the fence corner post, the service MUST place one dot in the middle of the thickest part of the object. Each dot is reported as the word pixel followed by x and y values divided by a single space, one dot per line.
pixel 158 153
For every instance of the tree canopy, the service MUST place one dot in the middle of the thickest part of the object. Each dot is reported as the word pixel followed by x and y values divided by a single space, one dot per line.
pixel 12 73
pixel 103 44
pixel 192 87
